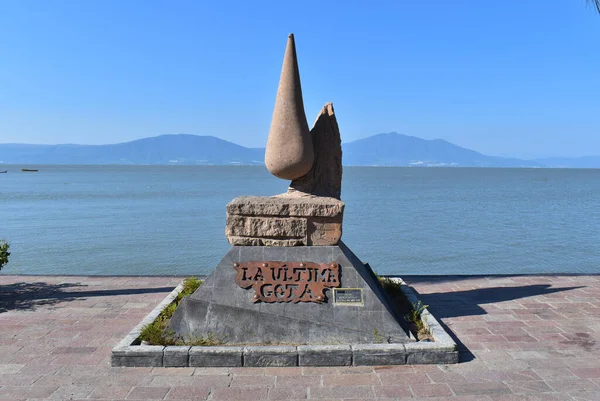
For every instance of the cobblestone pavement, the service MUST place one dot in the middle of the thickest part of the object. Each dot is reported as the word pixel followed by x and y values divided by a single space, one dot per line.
pixel 522 338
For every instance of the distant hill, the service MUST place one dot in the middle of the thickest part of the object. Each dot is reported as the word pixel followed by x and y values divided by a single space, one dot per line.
pixel 164 149
pixel 391 149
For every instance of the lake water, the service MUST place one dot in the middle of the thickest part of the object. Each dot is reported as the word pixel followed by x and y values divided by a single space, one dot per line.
pixel 153 220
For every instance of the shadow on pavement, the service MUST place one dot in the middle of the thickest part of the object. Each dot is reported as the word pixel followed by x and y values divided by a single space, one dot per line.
pixel 467 303
pixel 28 296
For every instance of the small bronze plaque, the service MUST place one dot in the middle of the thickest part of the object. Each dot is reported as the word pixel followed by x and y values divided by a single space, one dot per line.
pixel 287 281
pixel 348 296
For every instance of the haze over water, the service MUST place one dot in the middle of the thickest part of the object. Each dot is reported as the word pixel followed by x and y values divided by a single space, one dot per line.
pixel 155 220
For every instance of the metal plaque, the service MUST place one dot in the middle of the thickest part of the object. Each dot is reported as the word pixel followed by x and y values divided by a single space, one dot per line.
pixel 287 281
pixel 348 296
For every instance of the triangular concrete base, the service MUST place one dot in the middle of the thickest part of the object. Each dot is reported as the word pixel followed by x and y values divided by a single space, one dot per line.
pixel 222 309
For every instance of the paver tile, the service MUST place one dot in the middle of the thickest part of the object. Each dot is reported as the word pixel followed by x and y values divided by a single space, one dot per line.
pixel 211 371
pixel 188 393
pixel 110 393
pixel 480 388
pixel 355 392
pixel 298 381
pixel 287 371
pixel 401 391
pixel 585 395
pixel 587 373
pixel 529 387
pixel 9 368
pixel 187 381
pixel 253 381
pixel 147 393
pixel 566 385
pixel 287 393
pixel 24 392
pixel 18 380
pixel 239 393
pixel 431 390
pixel 398 378
pixel 71 392
pixel 363 379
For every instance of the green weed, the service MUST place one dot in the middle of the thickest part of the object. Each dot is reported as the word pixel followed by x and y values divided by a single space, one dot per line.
pixel 389 285
pixel 414 317
pixel 155 334
pixel 412 311
pixel 4 254
pixel 378 337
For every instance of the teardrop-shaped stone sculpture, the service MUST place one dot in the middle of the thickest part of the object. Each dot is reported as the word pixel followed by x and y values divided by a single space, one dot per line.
pixel 289 154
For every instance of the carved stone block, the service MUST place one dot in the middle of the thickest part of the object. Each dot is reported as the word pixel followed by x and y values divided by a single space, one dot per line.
pixel 284 221
pixel 324 231
pixel 272 227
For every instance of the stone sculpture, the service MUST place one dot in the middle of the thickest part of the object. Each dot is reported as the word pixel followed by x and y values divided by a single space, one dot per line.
pixel 288 278
pixel 312 160
pixel 289 153
pixel 325 177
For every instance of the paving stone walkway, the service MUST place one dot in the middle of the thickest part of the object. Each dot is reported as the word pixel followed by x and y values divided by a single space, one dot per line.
pixel 522 338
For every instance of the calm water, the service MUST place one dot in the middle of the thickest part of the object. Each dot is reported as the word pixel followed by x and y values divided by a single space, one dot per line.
pixel 170 219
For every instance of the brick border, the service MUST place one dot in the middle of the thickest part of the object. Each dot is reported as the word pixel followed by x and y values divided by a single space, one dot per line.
pixel 129 353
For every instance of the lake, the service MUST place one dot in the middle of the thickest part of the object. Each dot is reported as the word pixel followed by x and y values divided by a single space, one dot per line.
pixel 170 220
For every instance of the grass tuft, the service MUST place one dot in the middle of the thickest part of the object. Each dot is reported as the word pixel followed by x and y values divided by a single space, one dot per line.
pixel 155 333
pixel 414 317
pixel 4 254
pixel 412 311
pixel 390 286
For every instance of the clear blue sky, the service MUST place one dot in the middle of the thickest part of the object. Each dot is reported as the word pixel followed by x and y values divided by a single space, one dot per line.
pixel 510 77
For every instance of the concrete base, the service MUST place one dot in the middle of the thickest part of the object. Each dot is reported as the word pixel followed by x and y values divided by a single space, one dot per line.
pixel 442 350
pixel 223 310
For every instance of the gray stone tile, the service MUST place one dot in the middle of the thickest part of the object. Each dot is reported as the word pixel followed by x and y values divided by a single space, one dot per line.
pixel 216 356
pixel 324 355
pixel 270 356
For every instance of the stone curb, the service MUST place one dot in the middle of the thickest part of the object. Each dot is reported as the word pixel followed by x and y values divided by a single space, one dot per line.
pixel 263 356
pixel 216 356
pixel 324 355
pixel 443 350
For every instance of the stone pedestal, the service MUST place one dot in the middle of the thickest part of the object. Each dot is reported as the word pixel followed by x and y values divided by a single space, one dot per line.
pixel 316 295
pixel 284 221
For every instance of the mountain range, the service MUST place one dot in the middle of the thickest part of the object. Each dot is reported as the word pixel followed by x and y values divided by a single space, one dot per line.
pixel 388 149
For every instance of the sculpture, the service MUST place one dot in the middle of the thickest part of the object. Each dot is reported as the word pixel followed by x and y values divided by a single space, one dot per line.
pixel 288 278
pixel 310 212
pixel 312 160
pixel 289 153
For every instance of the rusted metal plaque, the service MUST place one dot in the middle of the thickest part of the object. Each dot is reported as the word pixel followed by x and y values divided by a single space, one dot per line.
pixel 287 281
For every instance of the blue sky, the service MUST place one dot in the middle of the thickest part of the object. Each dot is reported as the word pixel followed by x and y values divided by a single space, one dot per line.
pixel 512 77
